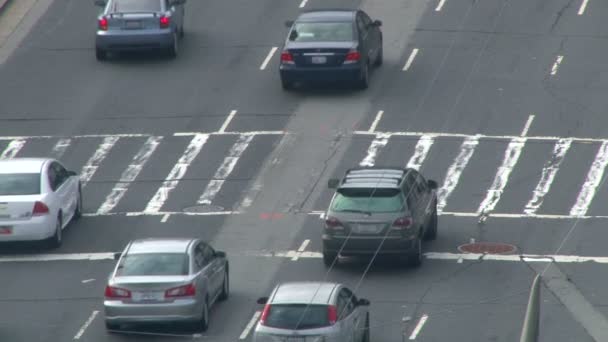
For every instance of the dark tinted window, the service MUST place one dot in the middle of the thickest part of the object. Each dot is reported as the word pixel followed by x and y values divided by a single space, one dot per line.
pixel 136 6
pixel 154 264
pixel 287 316
pixel 19 184
pixel 322 32
pixel 368 199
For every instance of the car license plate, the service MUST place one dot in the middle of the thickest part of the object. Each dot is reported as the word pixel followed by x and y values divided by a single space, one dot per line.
pixel 296 339
pixel 319 60
pixel 6 230
pixel 147 296
pixel 133 24
pixel 365 229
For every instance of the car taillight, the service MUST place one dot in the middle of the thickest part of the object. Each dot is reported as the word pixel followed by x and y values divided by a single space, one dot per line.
pixel 164 22
pixel 103 24
pixel 352 57
pixel 181 291
pixel 333 223
pixel 40 209
pixel 264 315
pixel 402 223
pixel 287 57
pixel 116 292
pixel 332 315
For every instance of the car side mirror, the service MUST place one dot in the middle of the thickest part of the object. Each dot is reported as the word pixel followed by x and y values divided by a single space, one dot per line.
pixel 220 254
pixel 100 3
pixel 432 184
pixel 117 255
pixel 288 23
pixel 363 302
pixel 333 183
pixel 262 300
pixel 377 23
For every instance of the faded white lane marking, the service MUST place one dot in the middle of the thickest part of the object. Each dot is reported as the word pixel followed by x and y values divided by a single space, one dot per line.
pixel 162 213
pixel 249 326
pixel 188 134
pixel 165 218
pixel 12 149
pixel 420 152
pixel 419 327
pixel 440 5
pixel 223 172
pixel 60 147
pixel 86 325
pixel 372 152
pixel 581 10
pixel 524 132
pixel 455 171
pixel 268 57
pixel 548 175
pixel 594 177
pixel 130 174
pixel 303 3
pixel 177 173
pixel 91 166
pixel 481 136
pixel 301 249
pixel 227 121
pixel 558 61
pixel 86 281
pixel 410 60
pixel 379 115
pixel 81 136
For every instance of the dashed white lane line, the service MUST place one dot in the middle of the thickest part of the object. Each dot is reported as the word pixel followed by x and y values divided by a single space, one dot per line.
pixel 440 5
pixel 524 132
pixel 377 119
pixel 12 149
pixel 455 171
pixel 250 325
pixel 301 249
pixel 60 147
pixel 177 173
pixel 581 10
pixel 165 218
pixel 558 61
pixel 420 152
pixel 130 174
pixel 227 121
pixel 86 325
pixel 268 58
pixel 373 149
pixel 419 327
pixel 86 281
pixel 594 178
pixel 303 3
pixel 89 169
pixel 410 60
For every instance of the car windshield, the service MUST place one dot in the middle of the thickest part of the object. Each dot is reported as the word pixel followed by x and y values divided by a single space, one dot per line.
pixel 368 200
pixel 297 316
pixel 124 6
pixel 19 184
pixel 322 32
pixel 154 264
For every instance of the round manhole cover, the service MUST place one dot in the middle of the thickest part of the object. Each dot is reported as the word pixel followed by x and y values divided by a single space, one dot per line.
pixel 487 248
pixel 203 209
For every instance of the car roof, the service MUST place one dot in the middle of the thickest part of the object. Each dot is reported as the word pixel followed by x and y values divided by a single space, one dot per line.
pixel 160 246
pixel 22 165
pixel 328 14
pixel 374 177
pixel 306 292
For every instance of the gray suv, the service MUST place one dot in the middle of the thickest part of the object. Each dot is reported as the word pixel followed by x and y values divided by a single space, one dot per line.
pixel 384 210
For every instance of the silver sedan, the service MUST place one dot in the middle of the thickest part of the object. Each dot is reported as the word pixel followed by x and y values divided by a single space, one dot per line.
pixel 38 198
pixel 166 281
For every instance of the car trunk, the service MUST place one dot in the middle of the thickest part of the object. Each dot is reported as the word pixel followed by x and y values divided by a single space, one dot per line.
pixel 133 21
pixel 318 54
pixel 17 207
pixel 149 289
pixel 359 224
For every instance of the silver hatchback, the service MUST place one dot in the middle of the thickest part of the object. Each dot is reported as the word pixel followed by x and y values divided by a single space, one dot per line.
pixel 313 312
pixel 166 281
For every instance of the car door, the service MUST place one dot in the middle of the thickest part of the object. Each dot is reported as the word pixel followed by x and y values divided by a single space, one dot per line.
pixel 215 270
pixel 61 194
pixel 374 35
pixel 72 190
pixel 347 316
pixel 364 38
pixel 411 194
pixel 426 198
pixel 198 269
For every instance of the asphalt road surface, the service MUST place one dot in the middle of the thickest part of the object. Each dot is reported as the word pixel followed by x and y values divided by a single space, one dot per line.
pixel 502 102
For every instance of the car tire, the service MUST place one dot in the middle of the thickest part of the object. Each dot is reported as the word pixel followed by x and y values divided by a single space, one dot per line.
pixel 56 240
pixel 204 322
pixel 366 332
pixel 380 57
pixel 431 229
pixel 329 257
pixel 364 78
pixel 225 287
pixel 286 85
pixel 78 211
pixel 112 326
pixel 415 258
pixel 174 49
pixel 100 54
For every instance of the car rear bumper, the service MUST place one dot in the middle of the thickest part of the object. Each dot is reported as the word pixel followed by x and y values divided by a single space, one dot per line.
pixel 322 74
pixel 34 229
pixel 369 245
pixel 185 310
pixel 132 40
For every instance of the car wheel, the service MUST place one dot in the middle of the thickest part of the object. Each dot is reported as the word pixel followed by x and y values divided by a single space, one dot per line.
pixel 173 50
pixel 366 334
pixel 431 229
pixel 112 326
pixel 204 323
pixel 380 57
pixel 56 240
pixel 329 257
pixel 225 287
pixel 415 259
pixel 78 211
pixel 100 54
pixel 364 78
pixel 286 84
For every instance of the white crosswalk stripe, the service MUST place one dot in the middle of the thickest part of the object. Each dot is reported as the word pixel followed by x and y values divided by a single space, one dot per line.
pixel 60 147
pixel 422 149
pixel 453 175
pixel 89 169
pixel 12 149
pixel 594 178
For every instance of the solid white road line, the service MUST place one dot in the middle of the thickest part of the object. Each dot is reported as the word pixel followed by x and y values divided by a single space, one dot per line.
pixel 86 325
pixel 252 322
pixel 481 136
pixel 372 152
pixel 372 128
pixel 455 171
pixel 227 121
pixel 581 10
pixel 225 169
pixel 60 147
pixel 12 149
pixel 162 213
pixel 594 178
pixel 410 60
pixel 89 169
pixel 548 175
pixel 129 174
pixel 440 5
pixel 420 152
pixel 303 3
pixel 419 326
pixel 189 134
pixel 177 173
pixel 74 136
pixel 321 213
pixel 268 58
pixel 524 132
pixel 558 61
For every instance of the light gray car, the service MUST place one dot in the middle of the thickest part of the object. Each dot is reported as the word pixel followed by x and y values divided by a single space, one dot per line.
pixel 166 281
pixel 313 312
pixel 125 25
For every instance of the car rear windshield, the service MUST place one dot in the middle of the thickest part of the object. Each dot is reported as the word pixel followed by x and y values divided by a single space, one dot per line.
pixel 322 32
pixel 297 316
pixel 368 200
pixel 19 184
pixel 125 6
pixel 154 264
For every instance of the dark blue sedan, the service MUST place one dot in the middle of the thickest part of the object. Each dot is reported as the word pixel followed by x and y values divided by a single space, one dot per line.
pixel 331 45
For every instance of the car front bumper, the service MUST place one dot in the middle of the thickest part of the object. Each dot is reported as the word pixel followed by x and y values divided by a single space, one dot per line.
pixel 34 229
pixel 134 40
pixel 183 310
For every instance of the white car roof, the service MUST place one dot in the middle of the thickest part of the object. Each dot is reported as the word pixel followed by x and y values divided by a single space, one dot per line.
pixel 22 165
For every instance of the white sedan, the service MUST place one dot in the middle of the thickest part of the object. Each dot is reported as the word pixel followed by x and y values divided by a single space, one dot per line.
pixel 38 198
